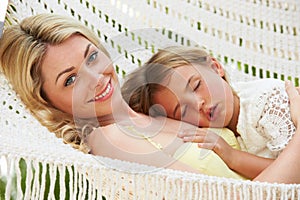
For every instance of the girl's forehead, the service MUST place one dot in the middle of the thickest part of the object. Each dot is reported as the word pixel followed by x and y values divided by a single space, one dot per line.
pixel 179 76
pixel 185 71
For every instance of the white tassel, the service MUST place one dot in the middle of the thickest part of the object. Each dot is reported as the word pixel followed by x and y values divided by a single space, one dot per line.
pixel 71 182
pixel 36 182
pixel 43 180
pixel 62 185
pixel 10 166
pixel 28 181
pixel 18 179
pixel 79 176
pixel 52 174
pixel 75 182
pixel 84 190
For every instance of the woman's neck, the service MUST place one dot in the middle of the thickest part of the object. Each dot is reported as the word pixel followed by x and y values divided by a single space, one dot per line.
pixel 121 113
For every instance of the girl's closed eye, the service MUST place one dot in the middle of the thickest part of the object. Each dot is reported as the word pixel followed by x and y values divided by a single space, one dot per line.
pixel 92 57
pixel 184 109
pixel 70 80
pixel 196 85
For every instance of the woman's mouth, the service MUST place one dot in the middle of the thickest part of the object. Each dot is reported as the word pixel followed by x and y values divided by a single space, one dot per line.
pixel 105 94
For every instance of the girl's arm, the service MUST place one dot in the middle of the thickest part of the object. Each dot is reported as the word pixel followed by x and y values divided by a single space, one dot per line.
pixel 285 169
pixel 244 163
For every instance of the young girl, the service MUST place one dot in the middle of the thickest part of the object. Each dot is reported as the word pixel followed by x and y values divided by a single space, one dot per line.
pixel 187 84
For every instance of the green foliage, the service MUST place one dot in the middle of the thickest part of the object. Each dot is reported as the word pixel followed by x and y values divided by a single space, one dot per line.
pixel 2 188
pixel 23 170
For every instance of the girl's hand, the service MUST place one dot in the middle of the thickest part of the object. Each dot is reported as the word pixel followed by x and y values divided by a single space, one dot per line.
pixel 294 97
pixel 209 140
pixel 206 139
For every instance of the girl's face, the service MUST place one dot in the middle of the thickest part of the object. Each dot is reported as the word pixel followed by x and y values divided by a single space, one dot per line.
pixel 78 78
pixel 198 95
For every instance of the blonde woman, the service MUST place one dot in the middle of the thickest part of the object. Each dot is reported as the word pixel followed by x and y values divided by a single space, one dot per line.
pixel 66 79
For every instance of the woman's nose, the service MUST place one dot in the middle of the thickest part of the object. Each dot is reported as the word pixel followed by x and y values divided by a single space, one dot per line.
pixel 90 77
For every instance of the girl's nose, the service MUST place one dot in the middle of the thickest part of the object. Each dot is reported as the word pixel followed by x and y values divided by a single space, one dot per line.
pixel 199 103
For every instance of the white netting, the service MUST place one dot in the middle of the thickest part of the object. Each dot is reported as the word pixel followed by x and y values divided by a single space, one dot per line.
pixel 253 38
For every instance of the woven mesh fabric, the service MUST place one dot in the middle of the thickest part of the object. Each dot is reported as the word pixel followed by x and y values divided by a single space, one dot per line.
pixel 254 39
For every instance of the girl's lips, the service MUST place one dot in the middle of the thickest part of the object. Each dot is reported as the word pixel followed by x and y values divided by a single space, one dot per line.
pixel 105 94
pixel 211 113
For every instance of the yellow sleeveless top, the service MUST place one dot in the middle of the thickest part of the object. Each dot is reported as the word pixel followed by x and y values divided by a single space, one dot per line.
pixel 207 161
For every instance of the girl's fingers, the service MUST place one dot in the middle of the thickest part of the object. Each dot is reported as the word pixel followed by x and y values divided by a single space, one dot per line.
pixel 209 146
pixel 193 132
pixel 294 98
pixel 200 139
pixel 190 133
pixel 196 139
pixel 201 142
pixel 291 90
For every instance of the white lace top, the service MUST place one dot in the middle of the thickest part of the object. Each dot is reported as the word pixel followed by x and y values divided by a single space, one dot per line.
pixel 264 121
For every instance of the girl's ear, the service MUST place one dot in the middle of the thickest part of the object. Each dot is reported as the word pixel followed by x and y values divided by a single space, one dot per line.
pixel 217 67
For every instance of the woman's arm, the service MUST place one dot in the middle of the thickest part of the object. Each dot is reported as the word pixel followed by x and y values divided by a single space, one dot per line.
pixel 285 169
pixel 244 163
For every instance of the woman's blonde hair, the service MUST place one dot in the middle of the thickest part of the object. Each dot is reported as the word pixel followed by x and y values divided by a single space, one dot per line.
pixel 22 49
pixel 141 85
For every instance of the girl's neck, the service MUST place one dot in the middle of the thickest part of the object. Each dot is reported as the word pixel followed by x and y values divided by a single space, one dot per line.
pixel 234 120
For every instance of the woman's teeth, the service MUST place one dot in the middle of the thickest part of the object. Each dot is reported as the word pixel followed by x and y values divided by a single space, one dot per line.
pixel 104 93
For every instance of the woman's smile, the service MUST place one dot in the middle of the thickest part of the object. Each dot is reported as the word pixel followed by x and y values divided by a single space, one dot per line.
pixel 105 94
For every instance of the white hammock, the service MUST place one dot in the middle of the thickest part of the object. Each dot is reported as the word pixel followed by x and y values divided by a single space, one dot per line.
pixel 254 38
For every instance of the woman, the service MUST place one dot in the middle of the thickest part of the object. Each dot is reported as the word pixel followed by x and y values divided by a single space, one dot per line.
pixel 66 79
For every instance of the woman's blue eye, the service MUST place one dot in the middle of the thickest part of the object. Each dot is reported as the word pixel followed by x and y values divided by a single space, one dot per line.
pixel 92 57
pixel 70 80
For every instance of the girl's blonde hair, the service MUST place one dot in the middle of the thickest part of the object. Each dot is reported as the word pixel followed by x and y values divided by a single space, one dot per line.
pixel 142 84
pixel 22 49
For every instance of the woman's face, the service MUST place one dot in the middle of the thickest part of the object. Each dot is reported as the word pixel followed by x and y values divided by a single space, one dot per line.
pixel 198 95
pixel 78 78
